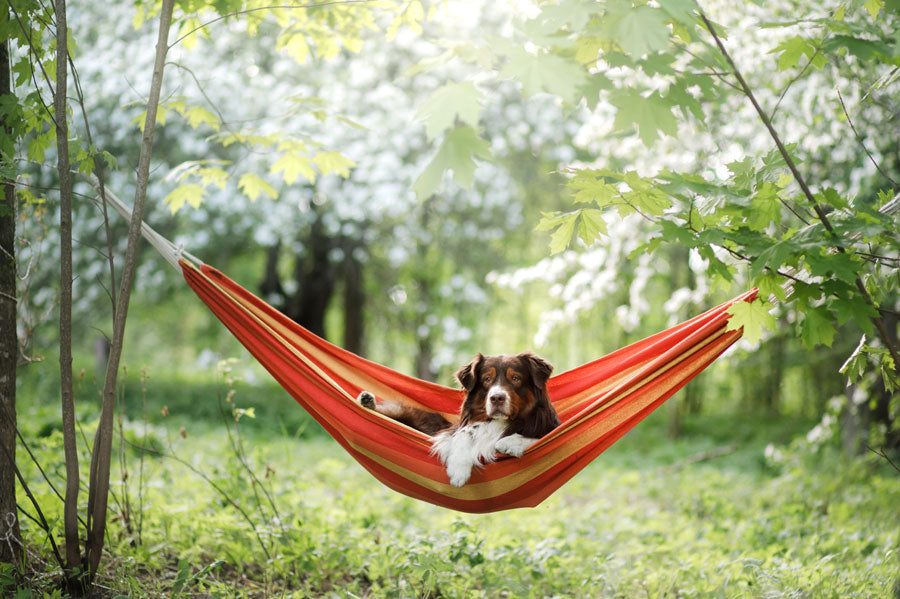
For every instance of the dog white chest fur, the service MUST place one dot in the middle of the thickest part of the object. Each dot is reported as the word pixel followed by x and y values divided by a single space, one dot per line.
pixel 462 449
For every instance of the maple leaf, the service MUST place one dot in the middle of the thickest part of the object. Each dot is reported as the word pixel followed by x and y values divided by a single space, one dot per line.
pixel 817 328
pixel 252 185
pixel 753 317
pixel 544 73
pixel 652 115
pixel 293 165
pixel 185 194
pixel 448 103
pixel 457 153
pixel 638 31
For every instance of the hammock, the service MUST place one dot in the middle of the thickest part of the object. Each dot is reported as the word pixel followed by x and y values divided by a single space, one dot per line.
pixel 597 402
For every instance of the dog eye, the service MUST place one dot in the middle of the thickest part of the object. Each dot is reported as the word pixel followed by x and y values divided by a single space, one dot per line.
pixel 516 378
pixel 487 380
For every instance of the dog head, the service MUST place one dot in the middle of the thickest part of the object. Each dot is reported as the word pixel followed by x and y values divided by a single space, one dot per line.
pixel 510 388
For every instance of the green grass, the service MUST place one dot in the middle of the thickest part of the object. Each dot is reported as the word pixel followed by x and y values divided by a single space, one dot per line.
pixel 646 519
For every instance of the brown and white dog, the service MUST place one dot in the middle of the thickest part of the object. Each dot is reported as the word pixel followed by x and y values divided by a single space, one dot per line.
pixel 506 410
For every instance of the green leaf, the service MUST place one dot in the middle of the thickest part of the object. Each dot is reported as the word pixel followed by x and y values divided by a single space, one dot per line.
pixel 333 162
pixel 294 44
pixel 210 175
pixel 817 327
pixel 638 31
pixel 588 223
pixel 591 225
pixel 771 284
pixel 198 115
pixel 841 265
pixel 858 309
pixel 562 236
pixel 294 164
pixel 792 50
pixel 861 48
pixel 753 317
pixel 185 194
pixel 460 148
pixel 772 257
pixel 765 208
pixel 571 14
pixel 683 11
pixel 873 7
pixel 448 103
pixel 651 115
pixel 544 73
pixel 590 187
pixel 252 185
pixel 38 144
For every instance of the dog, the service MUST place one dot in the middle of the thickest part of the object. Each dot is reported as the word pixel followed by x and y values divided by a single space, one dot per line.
pixel 506 410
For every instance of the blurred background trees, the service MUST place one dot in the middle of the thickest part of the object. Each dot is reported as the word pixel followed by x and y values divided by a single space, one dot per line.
pixel 299 172
pixel 418 183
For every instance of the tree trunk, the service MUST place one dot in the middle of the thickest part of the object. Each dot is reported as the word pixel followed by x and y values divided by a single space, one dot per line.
pixel 873 408
pixel 9 343
pixel 70 513
pixel 316 277
pixel 101 456
pixel 354 303
pixel 424 302
pixel 271 289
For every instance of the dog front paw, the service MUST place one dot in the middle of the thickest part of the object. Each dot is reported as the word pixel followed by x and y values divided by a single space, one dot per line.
pixel 366 399
pixel 459 474
pixel 513 445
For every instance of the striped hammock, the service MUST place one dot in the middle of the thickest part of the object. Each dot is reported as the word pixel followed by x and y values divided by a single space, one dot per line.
pixel 597 402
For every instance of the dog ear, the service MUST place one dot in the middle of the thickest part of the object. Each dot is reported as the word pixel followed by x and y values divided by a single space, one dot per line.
pixel 468 374
pixel 539 367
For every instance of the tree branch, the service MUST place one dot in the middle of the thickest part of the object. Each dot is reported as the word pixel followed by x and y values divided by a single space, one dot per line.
pixel 260 8
pixel 801 181
pixel 102 451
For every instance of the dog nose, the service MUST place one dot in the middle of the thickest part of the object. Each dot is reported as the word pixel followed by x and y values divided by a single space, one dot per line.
pixel 496 398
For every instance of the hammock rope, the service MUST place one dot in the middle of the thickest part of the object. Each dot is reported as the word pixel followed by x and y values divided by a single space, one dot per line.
pixel 597 402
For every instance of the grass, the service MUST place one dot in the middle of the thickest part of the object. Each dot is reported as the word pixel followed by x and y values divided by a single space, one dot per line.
pixel 646 519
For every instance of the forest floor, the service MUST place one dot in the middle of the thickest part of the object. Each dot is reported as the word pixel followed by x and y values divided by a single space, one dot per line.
pixel 713 513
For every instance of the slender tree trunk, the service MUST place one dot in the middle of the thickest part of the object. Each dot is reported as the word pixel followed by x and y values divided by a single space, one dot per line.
pixel 354 303
pixel 9 343
pixel 70 515
pixel 425 283
pixel 102 451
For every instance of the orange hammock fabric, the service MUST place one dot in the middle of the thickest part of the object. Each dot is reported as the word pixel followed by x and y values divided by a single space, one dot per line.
pixel 597 402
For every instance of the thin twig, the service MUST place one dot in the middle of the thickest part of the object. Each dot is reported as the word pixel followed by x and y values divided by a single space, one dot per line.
pixel 261 8
pixel 37 507
pixel 211 483
pixel 32 52
pixel 884 455
pixel 795 79
pixel 98 170
pixel 861 143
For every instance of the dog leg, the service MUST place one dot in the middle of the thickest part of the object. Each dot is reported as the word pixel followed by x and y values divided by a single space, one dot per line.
pixel 454 454
pixel 366 399
pixel 514 445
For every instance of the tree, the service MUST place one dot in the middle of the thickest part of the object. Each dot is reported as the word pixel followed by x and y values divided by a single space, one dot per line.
pixel 36 126
pixel 827 251
pixel 9 342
